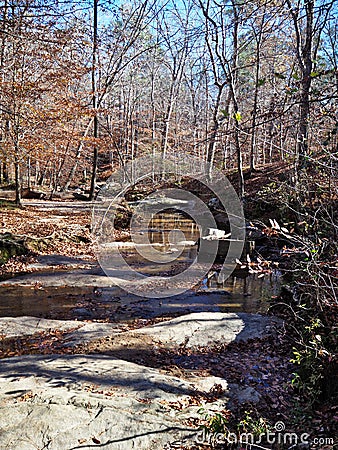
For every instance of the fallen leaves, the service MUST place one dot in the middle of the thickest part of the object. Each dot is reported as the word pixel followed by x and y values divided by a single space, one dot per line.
pixel 94 389
pixel 26 396
pixel 183 403
pixel 41 343
pixel 17 265
pixel 68 234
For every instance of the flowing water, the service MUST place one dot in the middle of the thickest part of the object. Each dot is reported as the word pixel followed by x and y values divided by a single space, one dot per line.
pixel 240 292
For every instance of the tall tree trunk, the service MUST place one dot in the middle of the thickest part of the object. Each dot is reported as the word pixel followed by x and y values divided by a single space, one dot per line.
pixel 17 182
pixel 5 175
pixel 305 55
pixel 166 121
pixel 303 143
pixel 153 123
pixel 214 129
pixel 241 187
pixel 258 38
pixel 29 173
pixel 77 157
pixel 94 104
pixel 233 87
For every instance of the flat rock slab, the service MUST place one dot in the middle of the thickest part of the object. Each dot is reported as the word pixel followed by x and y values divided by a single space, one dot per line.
pixel 72 278
pixel 83 401
pixel 91 331
pixel 25 326
pixel 205 328
pixel 72 207
pixel 68 402
pixel 192 330
pixel 79 332
pixel 47 262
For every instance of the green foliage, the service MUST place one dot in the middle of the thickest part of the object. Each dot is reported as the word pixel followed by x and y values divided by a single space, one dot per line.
pixel 8 204
pixel 291 90
pixel 310 374
pixel 312 209
pixel 314 360
pixel 215 423
pixel 280 76
pixel 238 116
pixel 224 112
pixel 315 353
pixel 256 426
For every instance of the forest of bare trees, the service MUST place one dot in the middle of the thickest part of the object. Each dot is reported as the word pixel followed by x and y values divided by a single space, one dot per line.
pixel 247 87
pixel 88 85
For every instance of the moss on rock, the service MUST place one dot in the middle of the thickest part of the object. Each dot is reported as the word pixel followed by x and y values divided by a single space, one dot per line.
pixel 11 245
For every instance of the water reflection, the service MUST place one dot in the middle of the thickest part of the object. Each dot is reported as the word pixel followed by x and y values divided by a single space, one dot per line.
pixel 240 292
pixel 171 228
pixel 246 292
pixel 48 302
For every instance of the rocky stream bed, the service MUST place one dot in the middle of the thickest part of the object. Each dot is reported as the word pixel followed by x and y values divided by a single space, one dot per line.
pixel 84 364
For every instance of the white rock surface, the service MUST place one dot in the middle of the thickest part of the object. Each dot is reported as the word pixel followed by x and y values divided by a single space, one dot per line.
pixel 202 329
pixel 26 325
pixel 59 402
pixel 71 402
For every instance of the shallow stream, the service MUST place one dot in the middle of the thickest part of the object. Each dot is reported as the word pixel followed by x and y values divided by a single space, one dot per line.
pixel 241 292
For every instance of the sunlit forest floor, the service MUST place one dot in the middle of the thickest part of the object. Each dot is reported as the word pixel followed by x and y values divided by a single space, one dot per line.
pixel 263 364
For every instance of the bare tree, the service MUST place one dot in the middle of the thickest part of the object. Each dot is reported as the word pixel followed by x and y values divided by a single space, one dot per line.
pixel 309 20
pixel 225 69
